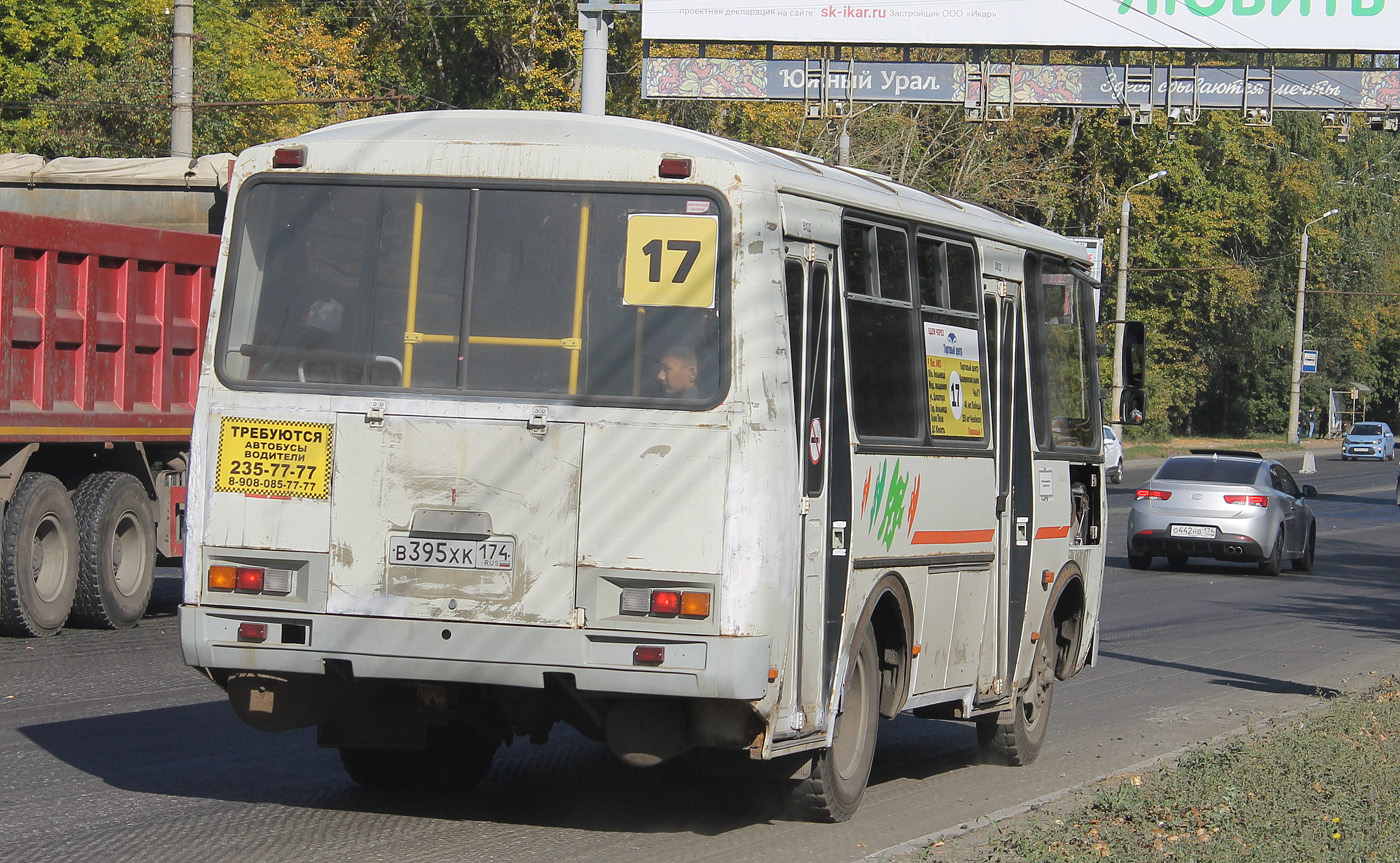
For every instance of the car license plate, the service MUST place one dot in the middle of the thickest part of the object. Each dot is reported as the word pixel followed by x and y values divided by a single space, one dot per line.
pixel 1195 531
pixel 495 553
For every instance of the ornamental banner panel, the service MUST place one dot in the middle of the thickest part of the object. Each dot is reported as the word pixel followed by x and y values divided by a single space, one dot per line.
pixel 1026 84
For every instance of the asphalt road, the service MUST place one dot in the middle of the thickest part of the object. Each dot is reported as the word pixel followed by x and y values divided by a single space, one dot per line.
pixel 112 750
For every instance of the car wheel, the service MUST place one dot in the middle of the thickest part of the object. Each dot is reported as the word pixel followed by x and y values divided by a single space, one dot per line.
pixel 1273 564
pixel 1305 562
pixel 1177 561
pixel 1116 475
pixel 1139 561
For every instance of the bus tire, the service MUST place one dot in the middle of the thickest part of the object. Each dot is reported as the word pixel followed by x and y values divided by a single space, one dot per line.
pixel 453 762
pixel 1014 736
pixel 38 558
pixel 116 551
pixel 839 774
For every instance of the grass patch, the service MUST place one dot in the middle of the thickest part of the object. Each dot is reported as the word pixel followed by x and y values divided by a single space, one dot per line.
pixel 1178 446
pixel 1326 787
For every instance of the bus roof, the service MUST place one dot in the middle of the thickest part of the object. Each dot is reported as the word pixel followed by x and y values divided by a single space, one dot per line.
pixel 619 148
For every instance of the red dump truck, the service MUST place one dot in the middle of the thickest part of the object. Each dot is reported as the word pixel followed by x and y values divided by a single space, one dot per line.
pixel 101 331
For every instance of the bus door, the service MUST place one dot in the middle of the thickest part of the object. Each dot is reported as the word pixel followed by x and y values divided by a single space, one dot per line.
pixel 1015 474
pixel 824 475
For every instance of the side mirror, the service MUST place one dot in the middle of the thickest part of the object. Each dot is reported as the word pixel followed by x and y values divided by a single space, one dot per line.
pixel 1134 354
pixel 1132 408
pixel 1309 491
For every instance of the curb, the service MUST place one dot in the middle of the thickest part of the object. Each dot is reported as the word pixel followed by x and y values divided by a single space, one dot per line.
pixel 1165 759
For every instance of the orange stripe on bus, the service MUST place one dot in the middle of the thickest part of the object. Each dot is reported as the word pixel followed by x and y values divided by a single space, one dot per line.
pixel 952 537
pixel 1052 532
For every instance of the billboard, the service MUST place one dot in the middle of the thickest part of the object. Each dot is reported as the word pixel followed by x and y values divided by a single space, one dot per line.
pixel 1253 25
pixel 1217 88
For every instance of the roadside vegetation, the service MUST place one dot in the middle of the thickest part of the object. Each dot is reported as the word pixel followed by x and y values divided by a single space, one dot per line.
pixel 1178 445
pixel 1325 786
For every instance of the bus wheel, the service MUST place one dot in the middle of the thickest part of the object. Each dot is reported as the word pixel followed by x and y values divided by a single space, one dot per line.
pixel 38 558
pixel 453 762
pixel 839 774
pixel 1014 737
pixel 116 551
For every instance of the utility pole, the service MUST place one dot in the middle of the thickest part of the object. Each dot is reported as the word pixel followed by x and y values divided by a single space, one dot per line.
pixel 1121 306
pixel 182 82
pixel 595 19
pixel 1295 387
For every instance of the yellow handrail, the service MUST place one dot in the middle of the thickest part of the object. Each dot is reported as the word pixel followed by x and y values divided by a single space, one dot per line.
pixel 580 279
pixel 413 293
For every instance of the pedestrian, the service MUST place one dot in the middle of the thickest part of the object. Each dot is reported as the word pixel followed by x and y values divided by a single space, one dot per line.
pixel 1312 422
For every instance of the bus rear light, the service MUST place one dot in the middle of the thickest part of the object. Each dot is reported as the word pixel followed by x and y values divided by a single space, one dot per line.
pixel 250 579
pixel 666 602
pixel 674 168
pixel 1248 499
pixel 1153 494
pixel 254 632
pixel 635 600
pixel 223 577
pixel 289 157
pixel 277 582
pixel 648 655
pixel 695 603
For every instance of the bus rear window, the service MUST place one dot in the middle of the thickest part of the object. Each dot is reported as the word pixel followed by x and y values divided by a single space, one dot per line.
pixel 576 295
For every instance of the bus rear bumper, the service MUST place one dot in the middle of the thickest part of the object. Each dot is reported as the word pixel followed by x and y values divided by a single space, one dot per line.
pixel 397 649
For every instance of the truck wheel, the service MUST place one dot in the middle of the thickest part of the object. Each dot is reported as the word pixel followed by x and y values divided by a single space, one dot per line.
pixel 454 762
pixel 1014 737
pixel 38 558
pixel 839 774
pixel 116 551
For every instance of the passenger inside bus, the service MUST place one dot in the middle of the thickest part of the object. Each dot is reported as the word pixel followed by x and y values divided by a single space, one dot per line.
pixel 679 371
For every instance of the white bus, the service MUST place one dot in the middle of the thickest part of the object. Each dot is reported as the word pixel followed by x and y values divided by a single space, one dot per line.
pixel 510 419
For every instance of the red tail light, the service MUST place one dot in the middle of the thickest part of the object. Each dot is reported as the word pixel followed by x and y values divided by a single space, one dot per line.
pixel 665 602
pixel 1248 499
pixel 250 579
pixel 256 632
pixel 648 655
pixel 1153 493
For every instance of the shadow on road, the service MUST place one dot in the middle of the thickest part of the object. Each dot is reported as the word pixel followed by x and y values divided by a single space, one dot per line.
pixel 1233 679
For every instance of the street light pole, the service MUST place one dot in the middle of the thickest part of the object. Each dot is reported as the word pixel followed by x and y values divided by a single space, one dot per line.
pixel 1120 306
pixel 1295 388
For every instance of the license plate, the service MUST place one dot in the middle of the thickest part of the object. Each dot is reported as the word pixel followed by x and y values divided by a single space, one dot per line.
pixel 1195 531
pixel 495 553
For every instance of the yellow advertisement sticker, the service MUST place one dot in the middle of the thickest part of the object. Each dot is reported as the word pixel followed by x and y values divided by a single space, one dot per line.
pixel 274 458
pixel 671 261
pixel 954 363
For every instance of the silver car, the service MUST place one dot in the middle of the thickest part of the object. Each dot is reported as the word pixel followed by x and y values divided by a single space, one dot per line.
pixel 1226 505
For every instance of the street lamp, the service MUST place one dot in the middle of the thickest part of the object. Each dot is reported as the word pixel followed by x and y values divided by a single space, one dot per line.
pixel 1116 394
pixel 1295 388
